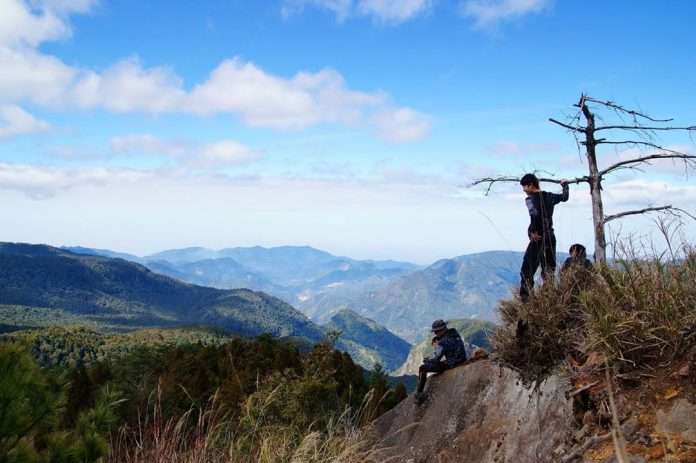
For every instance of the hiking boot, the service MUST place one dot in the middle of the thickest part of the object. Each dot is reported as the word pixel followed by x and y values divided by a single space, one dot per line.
pixel 419 397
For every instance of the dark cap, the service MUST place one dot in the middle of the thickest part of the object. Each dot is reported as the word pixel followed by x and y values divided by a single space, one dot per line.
pixel 439 325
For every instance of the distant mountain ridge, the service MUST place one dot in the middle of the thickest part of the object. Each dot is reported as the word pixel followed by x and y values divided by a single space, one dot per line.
pixel 468 286
pixel 402 297
pixel 124 295
pixel 46 286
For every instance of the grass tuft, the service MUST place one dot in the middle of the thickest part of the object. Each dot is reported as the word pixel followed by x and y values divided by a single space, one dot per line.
pixel 637 312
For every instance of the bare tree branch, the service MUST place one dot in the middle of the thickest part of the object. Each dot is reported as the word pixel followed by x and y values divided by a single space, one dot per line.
pixel 567 126
pixel 609 218
pixel 640 127
pixel 602 141
pixel 689 160
pixel 490 181
pixel 612 105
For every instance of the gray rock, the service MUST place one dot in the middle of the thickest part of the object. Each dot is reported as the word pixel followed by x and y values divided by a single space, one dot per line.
pixel 478 413
pixel 680 420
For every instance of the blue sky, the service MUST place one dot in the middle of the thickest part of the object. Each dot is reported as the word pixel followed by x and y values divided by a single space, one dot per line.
pixel 349 125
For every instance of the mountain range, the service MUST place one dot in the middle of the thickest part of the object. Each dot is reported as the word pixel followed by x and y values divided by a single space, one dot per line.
pixel 401 296
pixel 46 286
pixel 120 295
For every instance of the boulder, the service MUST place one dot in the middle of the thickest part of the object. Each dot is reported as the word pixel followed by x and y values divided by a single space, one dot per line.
pixel 478 413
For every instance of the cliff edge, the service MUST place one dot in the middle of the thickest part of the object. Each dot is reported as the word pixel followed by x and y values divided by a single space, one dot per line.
pixel 477 413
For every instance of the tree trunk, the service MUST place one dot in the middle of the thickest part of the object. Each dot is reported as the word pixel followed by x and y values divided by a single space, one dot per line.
pixel 595 185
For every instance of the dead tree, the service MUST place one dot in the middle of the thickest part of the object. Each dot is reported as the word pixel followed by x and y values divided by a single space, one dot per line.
pixel 589 136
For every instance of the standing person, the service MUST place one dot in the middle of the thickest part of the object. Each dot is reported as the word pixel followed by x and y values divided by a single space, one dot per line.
pixel 542 241
pixel 447 344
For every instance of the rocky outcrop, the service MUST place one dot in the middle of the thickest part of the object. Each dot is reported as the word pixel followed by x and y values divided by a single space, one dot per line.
pixel 478 413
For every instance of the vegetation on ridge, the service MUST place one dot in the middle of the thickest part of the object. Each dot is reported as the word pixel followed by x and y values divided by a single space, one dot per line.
pixel 636 313
pixel 240 401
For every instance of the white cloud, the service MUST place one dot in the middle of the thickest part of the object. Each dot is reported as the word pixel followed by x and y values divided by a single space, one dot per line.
pixel 265 100
pixel 127 87
pixel 29 23
pixel 390 11
pixel 402 125
pixel 235 87
pixel 487 13
pixel 146 144
pixel 226 152
pixel 396 11
pixel 42 182
pixel 30 76
pixel 193 155
pixel 16 121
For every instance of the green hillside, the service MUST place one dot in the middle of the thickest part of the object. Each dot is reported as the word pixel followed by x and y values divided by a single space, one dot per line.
pixel 70 346
pixel 367 342
pixel 42 285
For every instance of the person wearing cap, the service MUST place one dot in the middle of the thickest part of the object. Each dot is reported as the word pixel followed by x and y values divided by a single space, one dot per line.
pixel 448 344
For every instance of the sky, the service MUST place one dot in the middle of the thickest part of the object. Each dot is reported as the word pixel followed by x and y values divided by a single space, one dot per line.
pixel 354 126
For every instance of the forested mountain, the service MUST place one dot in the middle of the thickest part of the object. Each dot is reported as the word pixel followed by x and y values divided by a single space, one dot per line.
pixel 462 287
pixel 118 294
pixel 367 342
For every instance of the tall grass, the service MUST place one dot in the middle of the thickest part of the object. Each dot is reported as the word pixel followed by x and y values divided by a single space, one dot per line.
pixel 636 312
pixel 208 435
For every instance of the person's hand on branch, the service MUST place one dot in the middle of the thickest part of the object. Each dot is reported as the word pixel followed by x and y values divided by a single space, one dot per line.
pixel 534 236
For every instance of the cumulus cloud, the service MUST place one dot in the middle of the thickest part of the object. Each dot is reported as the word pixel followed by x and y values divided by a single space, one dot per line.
pixel 265 100
pixel 402 125
pixel 16 121
pixel 127 87
pixel 235 87
pixel 390 11
pixel 487 13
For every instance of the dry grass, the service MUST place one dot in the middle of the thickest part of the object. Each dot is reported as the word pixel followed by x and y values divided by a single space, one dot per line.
pixel 208 436
pixel 638 312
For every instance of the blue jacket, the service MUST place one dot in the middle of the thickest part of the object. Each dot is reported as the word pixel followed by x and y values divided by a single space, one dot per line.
pixel 452 348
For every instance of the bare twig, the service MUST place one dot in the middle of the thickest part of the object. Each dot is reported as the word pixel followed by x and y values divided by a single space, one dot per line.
pixel 490 181
pixel 602 141
pixel 567 126
pixel 612 105
pixel 689 159
pixel 609 218
pixel 640 127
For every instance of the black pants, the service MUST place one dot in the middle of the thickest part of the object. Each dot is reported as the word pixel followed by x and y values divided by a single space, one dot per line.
pixel 429 367
pixel 541 252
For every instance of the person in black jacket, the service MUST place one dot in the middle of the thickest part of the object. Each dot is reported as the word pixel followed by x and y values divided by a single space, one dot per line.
pixel 578 259
pixel 448 344
pixel 542 241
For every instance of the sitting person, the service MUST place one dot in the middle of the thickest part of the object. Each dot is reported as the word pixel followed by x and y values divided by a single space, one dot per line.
pixel 448 344
pixel 578 258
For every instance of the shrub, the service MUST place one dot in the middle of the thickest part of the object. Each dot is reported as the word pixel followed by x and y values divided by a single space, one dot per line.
pixel 636 313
